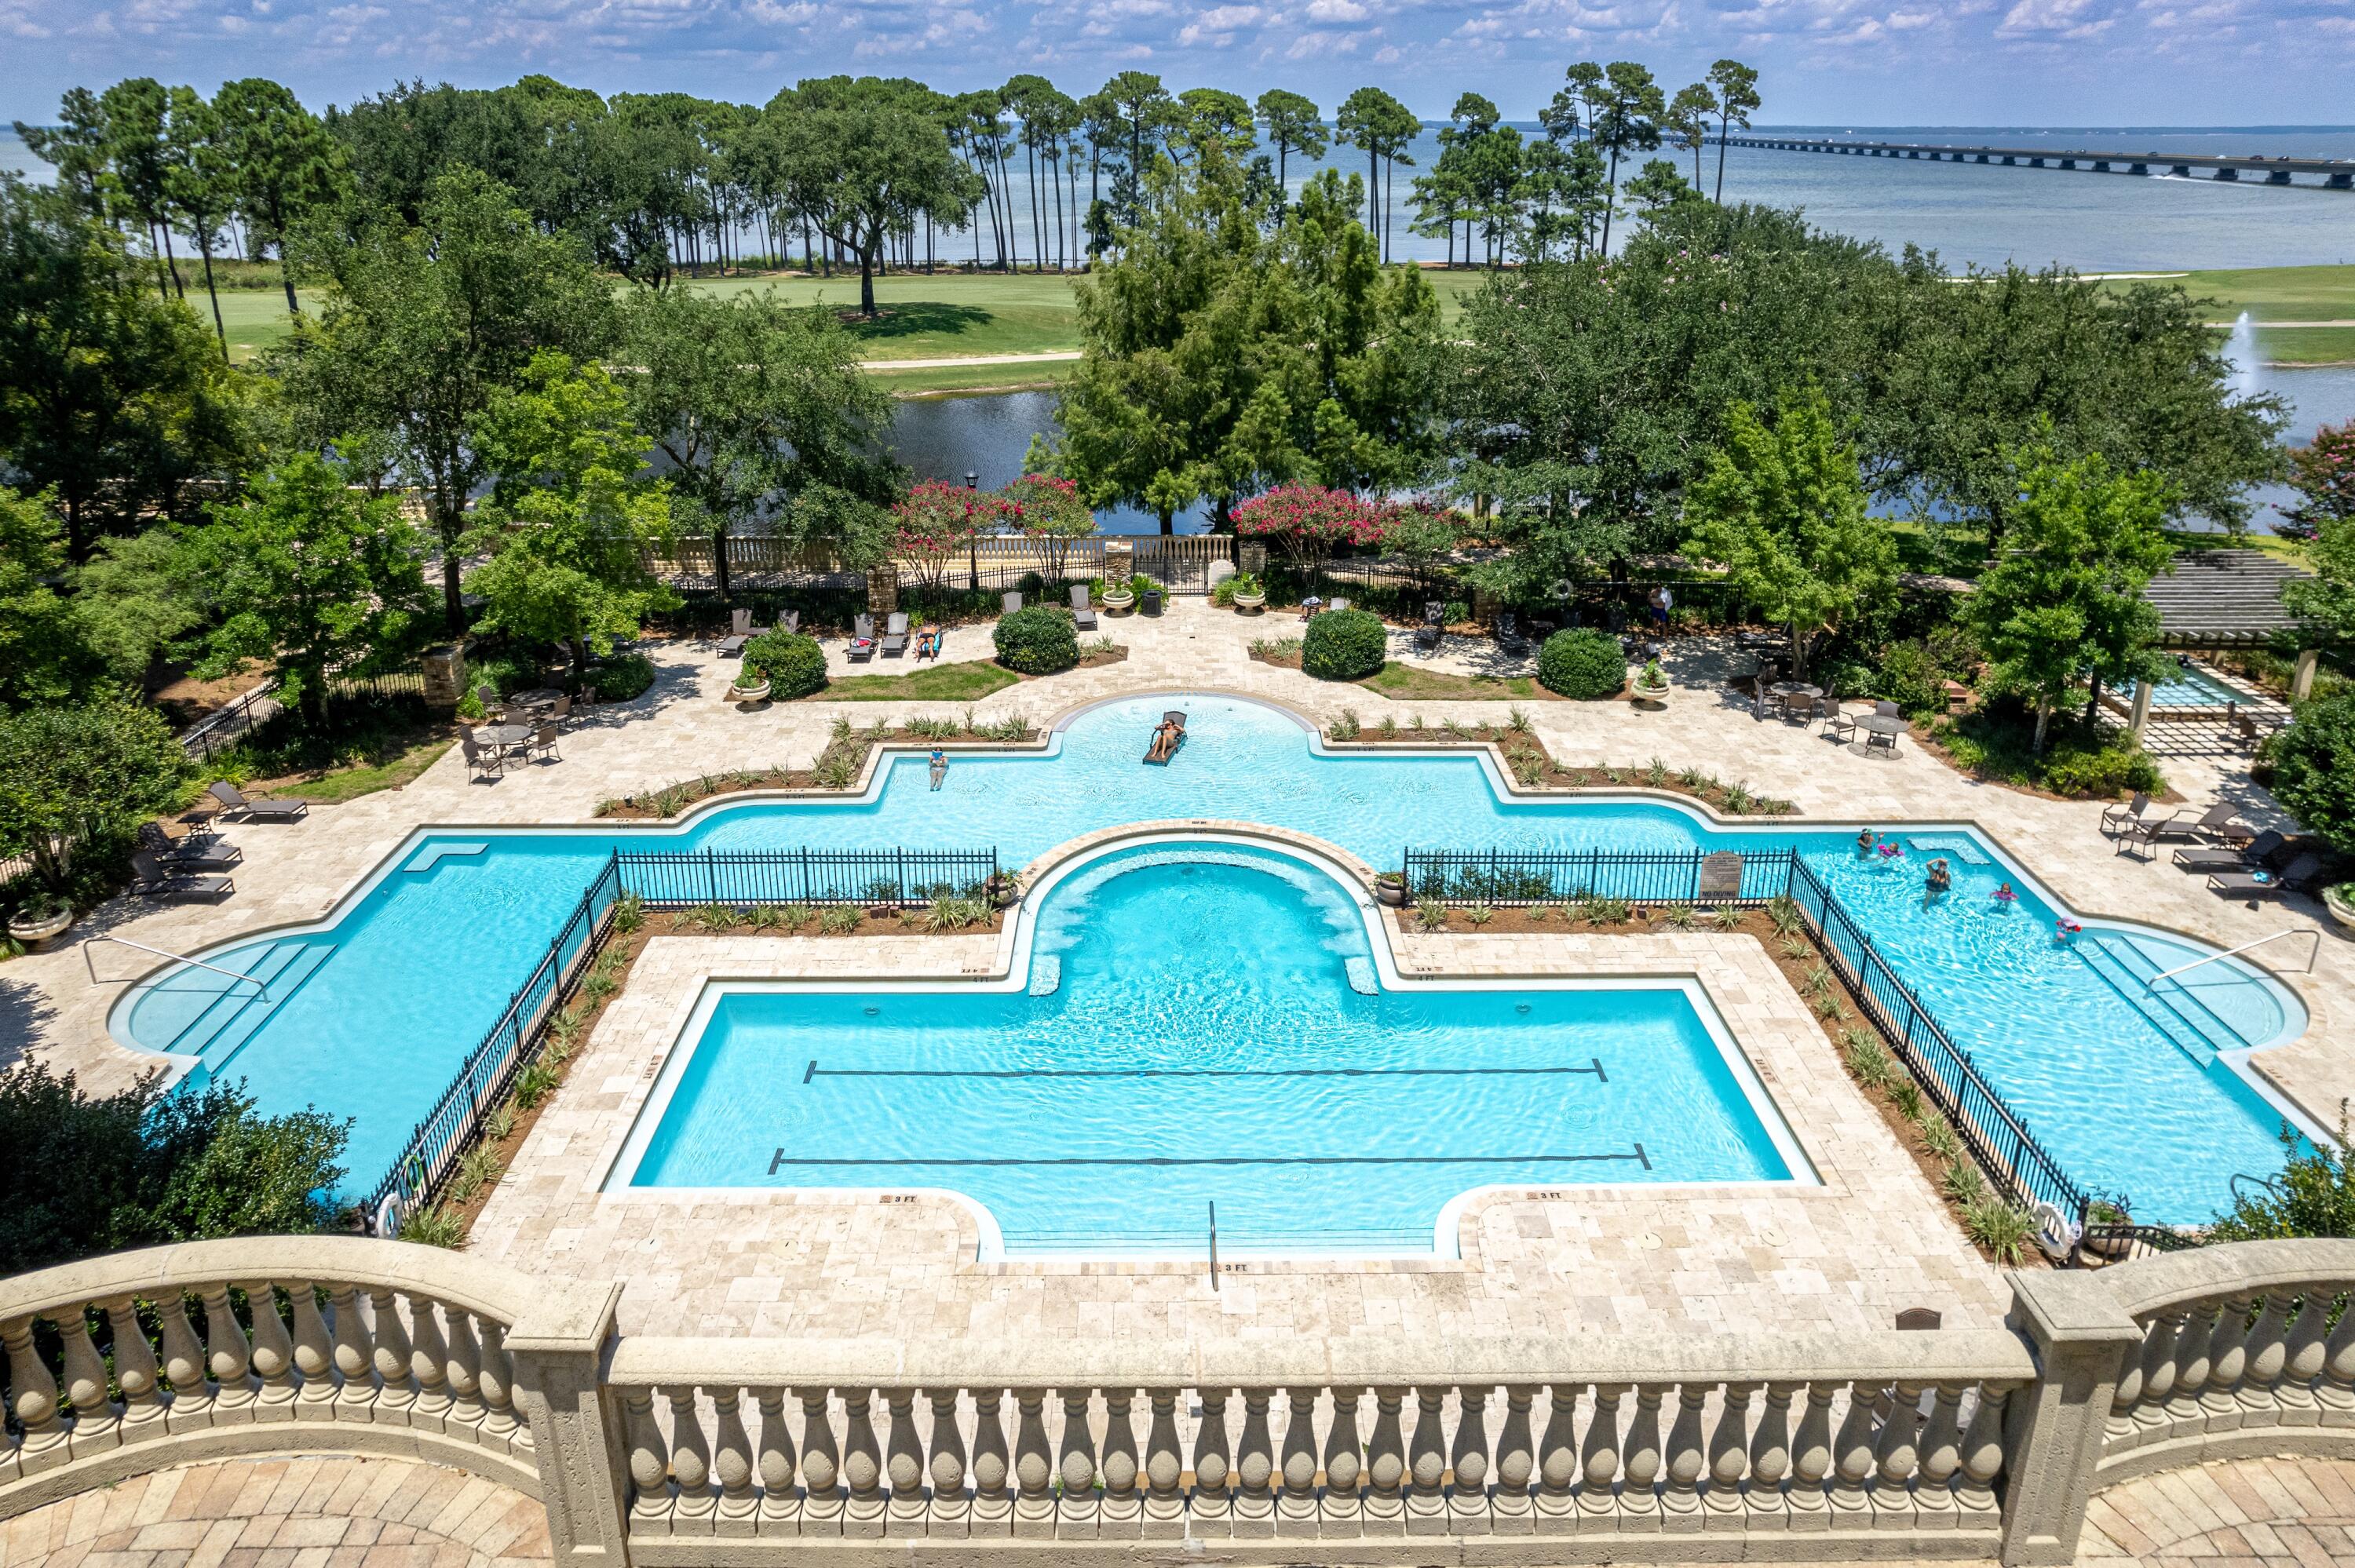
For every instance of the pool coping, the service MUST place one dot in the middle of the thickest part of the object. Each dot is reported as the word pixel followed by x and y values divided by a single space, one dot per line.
pixel 1010 974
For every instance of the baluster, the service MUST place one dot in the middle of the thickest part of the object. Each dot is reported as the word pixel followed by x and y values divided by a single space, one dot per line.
pixel 690 1466
pixel 1729 1460
pixel 1852 1458
pixel 1770 1452
pixel 45 1446
pixel 732 1461
pixel 1895 1457
pixel 2195 1363
pixel 823 1498
pixel 2228 1360
pixel 1942 1456
pixel 1255 1497
pixel 1296 1505
pixel 1214 1503
pixel 184 1364
pixel 904 1513
pixel 136 1369
pixel 992 1505
pixel 2120 1425
pixel 1165 1466
pixel 1811 1461
pixel 496 1374
pixel 1640 1461
pixel 2302 1362
pixel 1510 1507
pixel 429 1362
pixel 1034 1469
pixel 1975 1497
pixel 465 1370
pixel 1384 1508
pixel 1467 1497
pixel 862 1467
pixel 1556 1501
pixel 94 1422
pixel 272 1357
pixel 1342 1513
pixel 314 1354
pixel 2336 1391
pixel 2160 1368
pixel 1598 1461
pixel 2268 1353
pixel 228 1356
pixel 1426 1504
pixel 396 1395
pixel 952 1508
pixel 1121 1509
pixel 1680 1498
pixel 781 1504
pixel 355 1388
pixel 1075 1509
pixel 650 1496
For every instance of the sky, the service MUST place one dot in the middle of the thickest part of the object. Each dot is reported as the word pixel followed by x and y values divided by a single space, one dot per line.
pixel 1863 62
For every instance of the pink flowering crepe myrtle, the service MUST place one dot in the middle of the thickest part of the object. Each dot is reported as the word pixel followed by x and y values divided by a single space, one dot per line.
pixel 1306 522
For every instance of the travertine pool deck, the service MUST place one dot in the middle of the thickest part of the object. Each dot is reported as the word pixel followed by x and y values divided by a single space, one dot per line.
pixel 1594 1260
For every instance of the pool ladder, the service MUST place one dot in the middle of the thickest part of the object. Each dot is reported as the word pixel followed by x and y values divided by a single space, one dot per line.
pixel 2175 1011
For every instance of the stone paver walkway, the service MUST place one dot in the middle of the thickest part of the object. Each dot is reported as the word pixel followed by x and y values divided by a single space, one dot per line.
pixel 2239 1514
pixel 329 1511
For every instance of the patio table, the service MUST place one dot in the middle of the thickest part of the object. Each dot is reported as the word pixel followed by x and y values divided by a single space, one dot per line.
pixel 538 697
pixel 1889 726
pixel 505 735
pixel 1795 689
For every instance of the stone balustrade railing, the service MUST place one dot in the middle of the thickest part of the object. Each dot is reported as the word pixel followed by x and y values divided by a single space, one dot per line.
pixel 1953 1444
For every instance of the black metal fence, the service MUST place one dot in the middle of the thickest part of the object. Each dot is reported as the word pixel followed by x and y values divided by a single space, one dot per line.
pixel 1510 877
pixel 1996 1135
pixel 744 877
pixel 450 1127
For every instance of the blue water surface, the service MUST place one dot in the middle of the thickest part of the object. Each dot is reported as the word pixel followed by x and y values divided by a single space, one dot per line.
pixel 423 961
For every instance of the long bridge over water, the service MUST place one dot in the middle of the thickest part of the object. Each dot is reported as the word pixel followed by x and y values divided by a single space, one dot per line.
pixel 2336 173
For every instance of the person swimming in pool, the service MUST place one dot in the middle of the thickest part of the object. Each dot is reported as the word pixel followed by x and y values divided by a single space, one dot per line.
pixel 2063 928
pixel 1864 841
pixel 2004 895
pixel 1942 879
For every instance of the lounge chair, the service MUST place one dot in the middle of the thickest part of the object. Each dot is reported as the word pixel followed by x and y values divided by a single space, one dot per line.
pixel 1168 736
pixel 2150 832
pixel 153 878
pixel 2258 854
pixel 895 635
pixel 1010 603
pixel 740 632
pixel 233 804
pixel 2222 824
pixel 2294 877
pixel 2115 816
pixel 196 851
pixel 862 637
pixel 1082 613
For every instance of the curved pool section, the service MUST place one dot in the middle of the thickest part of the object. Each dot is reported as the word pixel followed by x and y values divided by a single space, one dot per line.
pixel 1211 1032
pixel 421 957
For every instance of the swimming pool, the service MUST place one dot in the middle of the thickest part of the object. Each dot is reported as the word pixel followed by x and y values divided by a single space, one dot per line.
pixel 424 955
pixel 1213 1033
pixel 2189 686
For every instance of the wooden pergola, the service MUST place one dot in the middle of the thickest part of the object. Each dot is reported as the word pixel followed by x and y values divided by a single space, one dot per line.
pixel 2217 600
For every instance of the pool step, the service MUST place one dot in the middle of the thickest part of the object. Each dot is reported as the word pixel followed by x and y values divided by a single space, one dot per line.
pixel 237 1012
pixel 1362 978
pixel 2174 1011
pixel 1045 973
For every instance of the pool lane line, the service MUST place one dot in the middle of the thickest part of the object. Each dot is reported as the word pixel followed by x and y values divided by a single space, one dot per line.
pixel 814 1071
pixel 783 1158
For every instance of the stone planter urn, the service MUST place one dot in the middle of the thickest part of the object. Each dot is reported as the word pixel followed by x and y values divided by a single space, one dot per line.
pixel 758 692
pixel 1250 603
pixel 1117 602
pixel 1391 889
pixel 35 928
pixel 1005 891
pixel 1650 685
pixel 2341 902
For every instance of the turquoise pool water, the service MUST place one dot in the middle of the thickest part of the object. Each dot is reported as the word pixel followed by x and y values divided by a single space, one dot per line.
pixel 2189 686
pixel 1203 1044
pixel 420 960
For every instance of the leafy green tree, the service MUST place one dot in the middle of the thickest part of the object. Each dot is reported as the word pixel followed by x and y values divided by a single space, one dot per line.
pixel 2323 472
pixel 1141 110
pixel 88 1174
pixel 197 184
pixel 1782 507
pixel 754 401
pixel 867 155
pixel 423 325
pixel 111 400
pixel 2314 1195
pixel 138 166
pixel 2065 599
pixel 1688 115
pixel 310 575
pixel 1293 124
pixel 1381 128
pixel 571 519
pixel 286 166
pixel 76 147
pixel 43 656
pixel 1625 119
pixel 2313 764
pixel 1737 95
pixel 83 774
pixel 1657 184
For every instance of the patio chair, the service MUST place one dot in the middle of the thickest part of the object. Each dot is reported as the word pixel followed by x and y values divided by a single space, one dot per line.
pixel 2258 854
pixel 588 697
pixel 740 633
pixel 1840 724
pixel 560 710
pixel 237 807
pixel 480 759
pixel 543 744
pixel 2115 816
pixel 1798 708
pixel 196 851
pixel 1880 740
pixel 153 879
pixel 895 635
pixel 2294 877
pixel 1884 710
pixel 1011 603
pixel 794 622
pixel 1433 627
pixel 1082 613
pixel 1509 630
pixel 862 638
pixel 2148 832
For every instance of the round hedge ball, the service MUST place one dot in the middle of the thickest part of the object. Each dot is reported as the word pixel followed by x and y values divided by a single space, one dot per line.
pixel 795 665
pixel 1037 640
pixel 1582 663
pixel 1344 645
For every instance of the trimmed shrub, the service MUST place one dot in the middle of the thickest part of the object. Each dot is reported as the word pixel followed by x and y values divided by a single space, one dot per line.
pixel 621 677
pixel 1037 640
pixel 1344 645
pixel 1581 663
pixel 2313 764
pixel 2107 774
pixel 794 664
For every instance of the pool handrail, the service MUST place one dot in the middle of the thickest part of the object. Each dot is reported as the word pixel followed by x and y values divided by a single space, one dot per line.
pixel 257 982
pixel 2312 954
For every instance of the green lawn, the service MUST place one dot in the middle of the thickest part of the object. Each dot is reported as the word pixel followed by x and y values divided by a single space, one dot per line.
pixel 1407 683
pixel 365 778
pixel 930 683
pixel 2282 294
